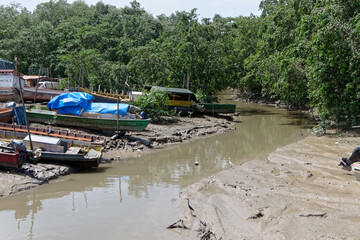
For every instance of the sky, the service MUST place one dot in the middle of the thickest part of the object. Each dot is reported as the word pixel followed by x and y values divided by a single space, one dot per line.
pixel 205 8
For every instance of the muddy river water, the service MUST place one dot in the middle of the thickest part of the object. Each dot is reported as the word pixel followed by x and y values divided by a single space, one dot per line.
pixel 137 198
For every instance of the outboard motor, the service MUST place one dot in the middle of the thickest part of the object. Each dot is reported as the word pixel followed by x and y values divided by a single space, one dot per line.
pixel 355 157
pixel 20 147
pixel 143 115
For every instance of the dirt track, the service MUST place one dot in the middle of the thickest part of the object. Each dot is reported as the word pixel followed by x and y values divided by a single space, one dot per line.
pixel 298 192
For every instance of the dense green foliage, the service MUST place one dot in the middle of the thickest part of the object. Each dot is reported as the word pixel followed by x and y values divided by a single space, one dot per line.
pixel 154 102
pixel 304 52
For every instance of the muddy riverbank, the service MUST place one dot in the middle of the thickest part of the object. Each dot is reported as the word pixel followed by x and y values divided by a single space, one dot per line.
pixel 298 192
pixel 164 132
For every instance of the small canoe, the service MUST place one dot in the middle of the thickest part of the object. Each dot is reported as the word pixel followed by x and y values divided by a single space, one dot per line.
pixel 8 130
pixel 91 159
pixel 50 117
pixel 216 108
pixel 32 94
pixel 6 115
pixel 106 97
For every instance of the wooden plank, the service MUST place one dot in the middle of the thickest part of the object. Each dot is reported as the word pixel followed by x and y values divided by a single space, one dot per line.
pixel 73 150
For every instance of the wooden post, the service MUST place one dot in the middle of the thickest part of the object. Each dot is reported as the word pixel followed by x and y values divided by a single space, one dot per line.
pixel 37 85
pixel 117 122
pixel 99 89
pixel 188 80
pixel 124 79
pixel 82 77
pixel 22 101
pixel 164 76
pixel 79 77
pixel 118 98
pixel 13 123
pixel 68 77
pixel 50 75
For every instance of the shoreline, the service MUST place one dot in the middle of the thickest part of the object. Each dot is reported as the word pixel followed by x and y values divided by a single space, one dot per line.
pixel 169 131
pixel 250 98
pixel 298 191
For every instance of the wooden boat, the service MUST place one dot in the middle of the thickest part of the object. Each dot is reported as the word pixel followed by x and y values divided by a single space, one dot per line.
pixel 9 85
pixel 181 99
pixel 10 158
pixel 179 105
pixel 216 108
pixel 71 157
pixel 20 131
pixel 33 94
pixel 9 94
pixel 50 117
pixel 49 149
pixel 106 97
pixel 6 115
pixel 42 81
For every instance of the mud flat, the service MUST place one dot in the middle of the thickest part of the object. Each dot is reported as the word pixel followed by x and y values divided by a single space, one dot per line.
pixel 29 176
pixel 298 192
pixel 164 132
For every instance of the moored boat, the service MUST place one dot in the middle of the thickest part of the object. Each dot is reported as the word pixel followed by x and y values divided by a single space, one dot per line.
pixel 216 108
pixel 181 99
pixel 9 85
pixel 71 157
pixel 34 94
pixel 49 150
pixel 8 130
pixel 51 117
pixel 6 115
pixel 9 94
pixel 106 97
pixel 76 109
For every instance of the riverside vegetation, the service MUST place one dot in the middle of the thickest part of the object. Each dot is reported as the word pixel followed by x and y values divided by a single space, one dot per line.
pixel 305 53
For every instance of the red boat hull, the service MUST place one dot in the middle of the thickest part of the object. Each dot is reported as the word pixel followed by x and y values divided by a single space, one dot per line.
pixel 8 159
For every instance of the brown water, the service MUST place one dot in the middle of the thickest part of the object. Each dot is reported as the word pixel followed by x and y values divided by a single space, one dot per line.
pixel 138 198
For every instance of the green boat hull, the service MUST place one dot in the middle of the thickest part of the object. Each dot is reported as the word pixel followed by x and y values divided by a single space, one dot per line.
pixel 52 118
pixel 217 108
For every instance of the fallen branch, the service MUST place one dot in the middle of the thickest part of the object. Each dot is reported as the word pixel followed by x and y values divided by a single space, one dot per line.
pixel 178 224
pixel 322 215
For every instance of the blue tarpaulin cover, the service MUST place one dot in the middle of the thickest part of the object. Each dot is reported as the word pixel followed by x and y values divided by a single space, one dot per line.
pixel 107 108
pixel 78 102
pixel 73 102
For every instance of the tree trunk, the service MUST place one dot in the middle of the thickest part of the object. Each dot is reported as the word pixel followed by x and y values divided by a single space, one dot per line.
pixel 188 80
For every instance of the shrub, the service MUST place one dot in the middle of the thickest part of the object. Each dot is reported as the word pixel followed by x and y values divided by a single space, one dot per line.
pixel 155 103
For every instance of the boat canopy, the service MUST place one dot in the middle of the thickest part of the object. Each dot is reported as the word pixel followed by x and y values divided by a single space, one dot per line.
pixel 182 92
pixel 78 102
